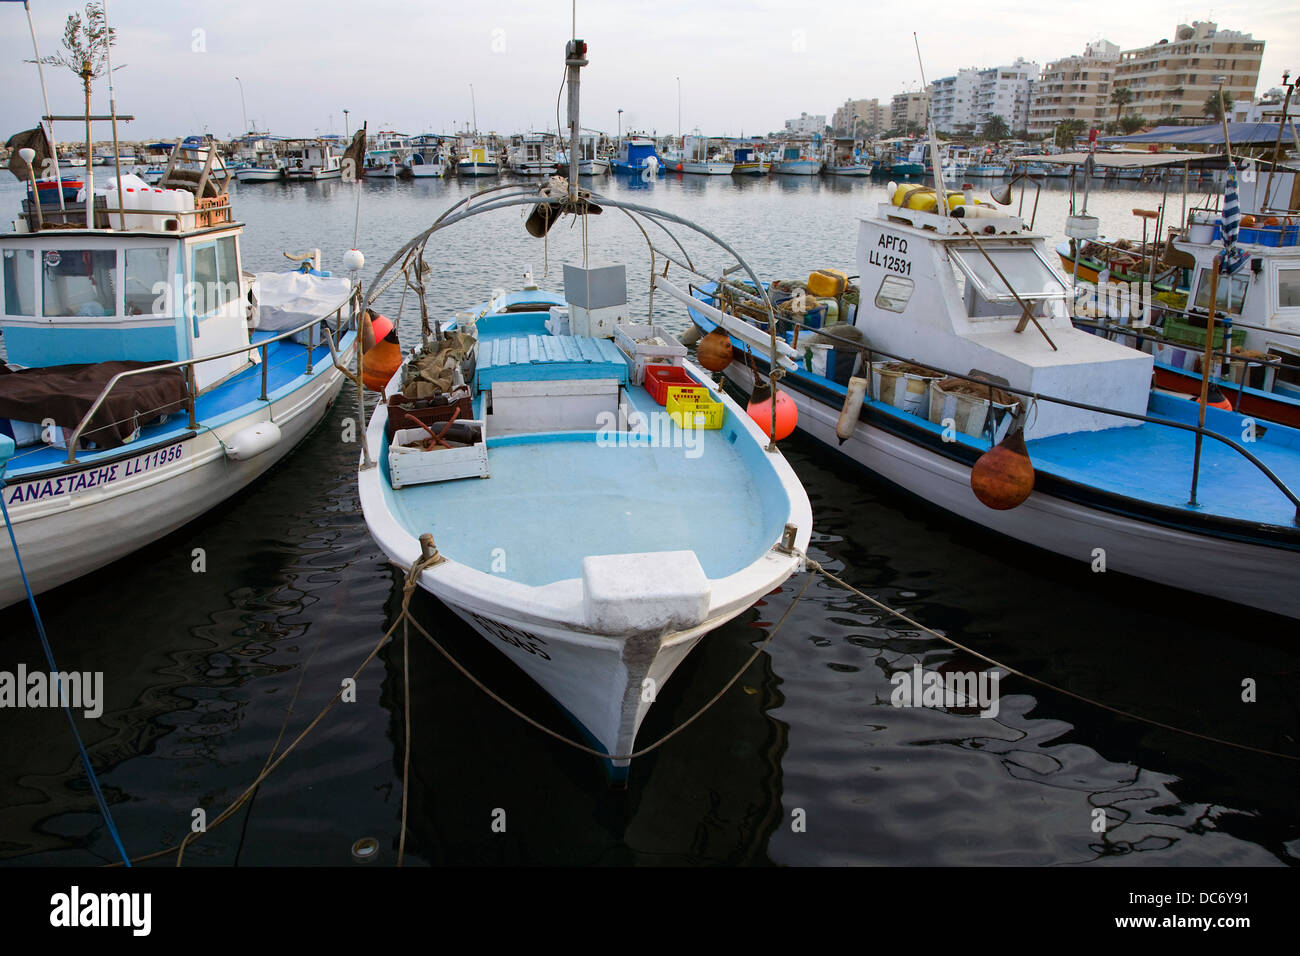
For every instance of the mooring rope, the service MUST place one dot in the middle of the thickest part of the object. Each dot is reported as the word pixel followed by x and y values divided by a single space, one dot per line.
pixel 408 589
pixel 816 566
pixel 67 704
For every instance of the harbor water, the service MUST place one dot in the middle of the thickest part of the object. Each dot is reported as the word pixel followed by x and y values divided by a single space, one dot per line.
pixel 221 642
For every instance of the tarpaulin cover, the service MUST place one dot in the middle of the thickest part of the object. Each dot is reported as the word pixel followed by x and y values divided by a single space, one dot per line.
pixel 286 300
pixel 1239 134
pixel 65 393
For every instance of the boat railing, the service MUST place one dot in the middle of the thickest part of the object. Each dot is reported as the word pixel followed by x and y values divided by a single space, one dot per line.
pixel 871 355
pixel 262 347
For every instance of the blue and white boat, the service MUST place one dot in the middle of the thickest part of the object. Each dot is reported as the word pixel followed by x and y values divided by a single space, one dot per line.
pixel 141 389
pixel 427 159
pixel 579 528
pixel 942 359
pixel 637 154
pixel 797 159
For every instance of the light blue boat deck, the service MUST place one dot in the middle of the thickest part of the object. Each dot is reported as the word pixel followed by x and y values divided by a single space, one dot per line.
pixel 1153 463
pixel 286 371
pixel 554 498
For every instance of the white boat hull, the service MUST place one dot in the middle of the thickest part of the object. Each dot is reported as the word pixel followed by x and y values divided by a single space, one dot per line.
pixel 708 169
pixel 476 169
pixel 799 167
pixel 427 170
pixel 1234 571
pixel 64 536
pixel 593 167
pixel 254 175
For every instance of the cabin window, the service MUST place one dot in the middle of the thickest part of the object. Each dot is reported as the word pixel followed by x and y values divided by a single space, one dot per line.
pixel 147 277
pixel 20 282
pixel 895 291
pixel 1228 285
pixel 1027 271
pixel 215 276
pixel 1288 288
pixel 80 282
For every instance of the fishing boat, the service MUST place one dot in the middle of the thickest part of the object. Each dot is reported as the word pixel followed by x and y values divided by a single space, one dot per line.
pixel 267 166
pixel 797 159
pixel 532 154
pixel 476 156
pixel 313 160
pixel 142 388
pixel 590 162
pixel 698 159
pixel 1162 302
pixel 590 549
pixel 426 159
pixel 637 154
pixel 843 158
pixel 748 161
pixel 386 158
pixel 960 378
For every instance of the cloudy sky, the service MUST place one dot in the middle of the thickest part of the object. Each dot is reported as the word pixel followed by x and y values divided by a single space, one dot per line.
pixel 745 65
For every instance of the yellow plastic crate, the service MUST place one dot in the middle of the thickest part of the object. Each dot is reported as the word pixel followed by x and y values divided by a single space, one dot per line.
pixel 693 408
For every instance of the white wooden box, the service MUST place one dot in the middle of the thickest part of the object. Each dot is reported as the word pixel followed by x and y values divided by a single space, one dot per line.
pixel 412 466
pixel 629 340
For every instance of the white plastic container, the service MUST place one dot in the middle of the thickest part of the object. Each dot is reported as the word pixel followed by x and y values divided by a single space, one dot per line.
pixel 412 466
pixel 905 391
pixel 648 345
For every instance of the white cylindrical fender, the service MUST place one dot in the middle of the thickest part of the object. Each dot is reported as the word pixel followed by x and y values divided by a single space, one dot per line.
pixel 853 398
pixel 252 441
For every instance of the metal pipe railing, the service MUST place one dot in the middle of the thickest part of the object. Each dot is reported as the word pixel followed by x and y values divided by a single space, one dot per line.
pixel 189 366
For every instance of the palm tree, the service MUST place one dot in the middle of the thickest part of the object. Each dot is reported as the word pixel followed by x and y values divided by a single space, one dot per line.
pixel 1067 131
pixel 1216 107
pixel 1121 96
pixel 995 128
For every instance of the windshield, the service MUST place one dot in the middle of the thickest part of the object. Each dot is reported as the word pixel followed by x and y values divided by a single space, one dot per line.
pixel 1022 266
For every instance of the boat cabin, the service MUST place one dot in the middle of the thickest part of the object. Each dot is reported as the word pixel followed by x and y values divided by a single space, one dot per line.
pixel 935 295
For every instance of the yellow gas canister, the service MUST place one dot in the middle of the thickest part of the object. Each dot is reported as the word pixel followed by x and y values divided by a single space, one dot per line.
pixel 827 282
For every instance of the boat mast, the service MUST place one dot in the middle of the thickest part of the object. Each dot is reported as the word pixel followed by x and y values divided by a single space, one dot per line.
pixel 112 112
pixel 940 194
pixel 575 58
pixel 49 117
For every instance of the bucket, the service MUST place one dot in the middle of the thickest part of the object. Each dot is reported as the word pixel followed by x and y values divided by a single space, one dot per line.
pixel 1202 232
pixel 903 385
pixel 970 412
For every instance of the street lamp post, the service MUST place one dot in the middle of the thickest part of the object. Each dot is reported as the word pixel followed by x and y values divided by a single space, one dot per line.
pixel 620 127
pixel 345 124
pixel 243 109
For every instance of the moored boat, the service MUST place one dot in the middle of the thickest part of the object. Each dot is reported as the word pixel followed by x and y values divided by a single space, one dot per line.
pixel 563 523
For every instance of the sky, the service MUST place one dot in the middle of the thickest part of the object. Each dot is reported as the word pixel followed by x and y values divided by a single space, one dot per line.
pixel 743 66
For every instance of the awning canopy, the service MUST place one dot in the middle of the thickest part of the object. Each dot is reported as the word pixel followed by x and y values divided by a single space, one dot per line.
pixel 1123 160
pixel 1239 134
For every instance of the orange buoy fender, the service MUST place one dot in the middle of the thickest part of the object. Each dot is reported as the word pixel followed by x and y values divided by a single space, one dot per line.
pixel 715 350
pixel 381 362
pixel 1003 477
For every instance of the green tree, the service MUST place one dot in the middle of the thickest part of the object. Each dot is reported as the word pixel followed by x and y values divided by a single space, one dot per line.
pixel 1131 123
pixel 1067 131
pixel 995 129
pixel 1215 109
pixel 1121 96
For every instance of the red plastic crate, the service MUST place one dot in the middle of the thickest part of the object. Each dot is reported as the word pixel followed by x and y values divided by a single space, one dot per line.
pixel 659 377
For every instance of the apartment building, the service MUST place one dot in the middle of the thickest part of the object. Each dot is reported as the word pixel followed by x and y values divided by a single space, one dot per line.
pixel 1174 78
pixel 868 117
pixel 1075 88
pixel 967 100
pixel 907 108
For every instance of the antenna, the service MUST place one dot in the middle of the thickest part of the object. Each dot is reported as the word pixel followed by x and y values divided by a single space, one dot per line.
pixel 940 193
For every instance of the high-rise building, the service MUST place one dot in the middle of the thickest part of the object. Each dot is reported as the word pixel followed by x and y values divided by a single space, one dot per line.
pixel 907 108
pixel 1174 79
pixel 964 102
pixel 1075 88
pixel 868 117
